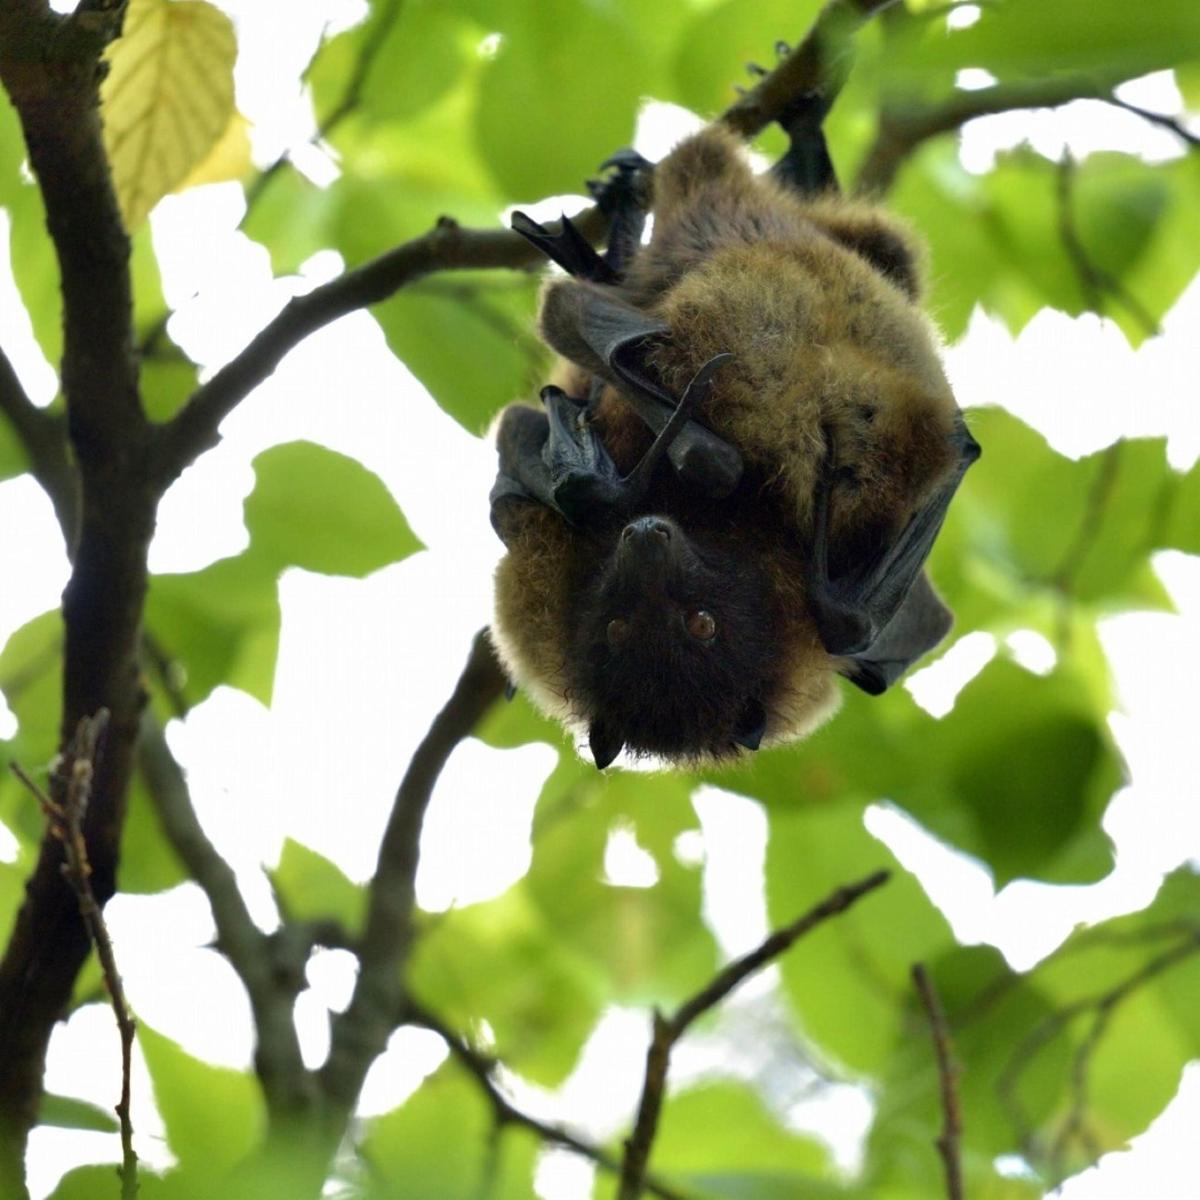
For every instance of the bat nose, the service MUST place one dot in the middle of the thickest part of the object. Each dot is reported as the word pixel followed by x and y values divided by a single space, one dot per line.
pixel 647 531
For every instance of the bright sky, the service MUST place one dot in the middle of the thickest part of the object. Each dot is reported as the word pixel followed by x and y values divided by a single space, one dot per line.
pixel 391 646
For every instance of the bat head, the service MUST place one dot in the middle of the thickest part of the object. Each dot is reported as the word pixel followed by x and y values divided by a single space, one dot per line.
pixel 672 647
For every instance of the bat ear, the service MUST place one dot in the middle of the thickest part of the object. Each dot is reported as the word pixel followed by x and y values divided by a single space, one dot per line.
pixel 751 726
pixel 921 621
pixel 604 742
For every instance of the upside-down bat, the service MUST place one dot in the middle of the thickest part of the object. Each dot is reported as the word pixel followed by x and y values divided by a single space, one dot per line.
pixel 733 484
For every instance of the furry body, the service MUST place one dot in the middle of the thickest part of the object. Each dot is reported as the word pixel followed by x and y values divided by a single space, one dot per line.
pixel 833 368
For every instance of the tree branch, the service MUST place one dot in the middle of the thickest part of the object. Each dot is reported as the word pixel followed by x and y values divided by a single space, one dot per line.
pixel 903 128
pixel 482 1069
pixel 44 438
pixel 948 1140
pixel 1164 120
pixel 270 981
pixel 668 1030
pixel 360 1033
pixel 65 814
pixel 820 63
pixel 50 67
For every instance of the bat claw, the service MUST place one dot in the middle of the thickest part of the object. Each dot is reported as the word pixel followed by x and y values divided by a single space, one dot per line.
pixel 782 49
pixel 755 69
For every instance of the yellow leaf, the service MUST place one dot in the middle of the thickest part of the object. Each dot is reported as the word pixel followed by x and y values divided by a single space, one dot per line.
pixel 168 97
pixel 228 159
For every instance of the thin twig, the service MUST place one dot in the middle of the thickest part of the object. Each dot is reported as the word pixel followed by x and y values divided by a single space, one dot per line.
pixel 73 784
pixel 373 41
pixel 1046 1030
pixel 1165 120
pixel 949 1139
pixel 668 1030
pixel 482 1070
pixel 360 1033
pixel 904 126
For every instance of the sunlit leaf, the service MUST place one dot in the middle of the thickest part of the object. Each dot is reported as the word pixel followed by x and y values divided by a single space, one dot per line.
pixel 539 126
pixel 213 1116
pixel 167 99
pixel 229 158
pixel 316 509
pixel 433 1147
pixel 69 1112
pixel 309 887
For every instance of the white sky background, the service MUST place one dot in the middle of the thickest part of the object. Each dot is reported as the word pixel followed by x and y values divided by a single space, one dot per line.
pixel 364 665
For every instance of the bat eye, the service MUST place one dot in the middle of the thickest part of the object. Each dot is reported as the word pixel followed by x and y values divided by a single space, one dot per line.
pixel 617 631
pixel 701 625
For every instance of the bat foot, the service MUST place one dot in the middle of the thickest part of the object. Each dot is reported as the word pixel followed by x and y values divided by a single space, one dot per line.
pixel 626 186
pixel 782 49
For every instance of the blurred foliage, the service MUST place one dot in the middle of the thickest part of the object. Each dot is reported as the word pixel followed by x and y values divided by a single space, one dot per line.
pixel 464 107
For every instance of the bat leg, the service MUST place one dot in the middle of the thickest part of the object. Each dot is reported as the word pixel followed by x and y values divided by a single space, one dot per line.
pixel 624 198
pixel 806 167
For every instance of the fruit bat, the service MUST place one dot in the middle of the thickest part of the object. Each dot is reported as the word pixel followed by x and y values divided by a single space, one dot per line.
pixel 729 492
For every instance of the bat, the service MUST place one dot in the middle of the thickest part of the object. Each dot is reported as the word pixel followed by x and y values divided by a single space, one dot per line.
pixel 728 495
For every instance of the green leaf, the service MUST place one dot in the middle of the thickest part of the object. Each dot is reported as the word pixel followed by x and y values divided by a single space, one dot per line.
pixel 316 509
pixel 100 1182
pixel 717 1130
pixel 417 51
pixel 167 97
pixel 434 1146
pixel 650 942
pixel 148 861
pixel 847 980
pixel 290 218
pixel 34 263
pixel 13 459
pixel 213 1116
pixel 219 625
pixel 718 43
pixel 468 344
pixel 308 887
pixel 68 1112
pixel 1023 38
pixel 311 508
pixel 538 126
pixel 500 962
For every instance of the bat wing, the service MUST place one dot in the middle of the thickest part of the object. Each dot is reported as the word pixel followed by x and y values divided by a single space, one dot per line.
pixel 881 615
pixel 597 329
pixel 556 457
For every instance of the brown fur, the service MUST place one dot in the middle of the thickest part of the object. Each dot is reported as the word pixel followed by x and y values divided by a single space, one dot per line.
pixel 814 300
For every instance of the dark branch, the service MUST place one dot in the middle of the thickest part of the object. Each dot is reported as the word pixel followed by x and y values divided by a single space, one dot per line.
pixel 668 1030
pixel 287 1084
pixel 1164 120
pixel 447 247
pixel 50 67
pixel 65 813
pixel 904 128
pixel 951 1135
pixel 482 1069
pixel 43 436
pixel 820 63
pixel 360 1033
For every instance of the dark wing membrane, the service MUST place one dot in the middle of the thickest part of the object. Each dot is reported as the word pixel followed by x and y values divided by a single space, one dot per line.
pixel 605 335
pixel 883 614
